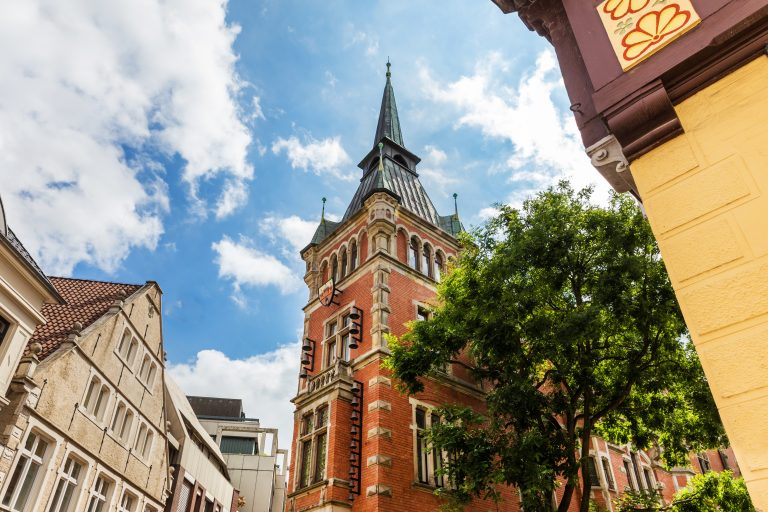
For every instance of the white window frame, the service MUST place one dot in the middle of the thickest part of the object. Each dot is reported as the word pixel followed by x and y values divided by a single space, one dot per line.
pixel 94 406
pixel 65 477
pixel 142 445
pixel 608 472
pixel 42 462
pixel 96 495
pixel 430 455
pixel 128 493
pixel 117 428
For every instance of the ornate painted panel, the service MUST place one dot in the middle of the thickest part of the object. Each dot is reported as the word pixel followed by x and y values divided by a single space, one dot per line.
pixel 639 28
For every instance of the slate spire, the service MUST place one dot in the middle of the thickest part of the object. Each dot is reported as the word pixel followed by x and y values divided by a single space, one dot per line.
pixel 389 122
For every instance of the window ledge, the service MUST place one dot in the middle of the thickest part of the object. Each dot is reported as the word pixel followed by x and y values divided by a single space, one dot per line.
pixel 308 488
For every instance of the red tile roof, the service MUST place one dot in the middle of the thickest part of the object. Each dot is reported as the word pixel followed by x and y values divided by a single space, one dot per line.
pixel 86 302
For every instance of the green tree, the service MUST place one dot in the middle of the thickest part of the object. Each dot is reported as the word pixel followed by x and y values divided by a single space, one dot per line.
pixel 710 492
pixel 571 325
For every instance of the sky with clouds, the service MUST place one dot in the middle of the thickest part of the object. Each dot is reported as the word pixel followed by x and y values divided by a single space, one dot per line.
pixel 190 142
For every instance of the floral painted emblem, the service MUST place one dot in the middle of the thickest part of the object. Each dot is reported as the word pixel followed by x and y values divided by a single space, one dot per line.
pixel 638 28
pixel 652 28
pixel 620 8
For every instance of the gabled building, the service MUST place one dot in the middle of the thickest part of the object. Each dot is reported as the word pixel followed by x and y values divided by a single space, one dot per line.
pixel 358 443
pixel 84 426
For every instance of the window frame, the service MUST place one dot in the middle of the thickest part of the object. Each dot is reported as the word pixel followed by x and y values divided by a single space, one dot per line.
pixel 95 496
pixel 425 460
pixel 312 446
pixel 605 462
pixel 66 480
pixel 16 484
pixel 5 327
pixel 337 338
pixel 96 405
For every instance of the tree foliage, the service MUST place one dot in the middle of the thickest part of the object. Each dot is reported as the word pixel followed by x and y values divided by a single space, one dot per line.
pixel 571 325
pixel 710 492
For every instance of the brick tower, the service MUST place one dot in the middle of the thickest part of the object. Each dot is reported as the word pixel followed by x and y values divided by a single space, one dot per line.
pixel 357 442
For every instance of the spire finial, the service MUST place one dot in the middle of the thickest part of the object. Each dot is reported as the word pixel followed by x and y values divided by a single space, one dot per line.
pixel 389 64
pixel 322 215
pixel 381 156
pixel 455 204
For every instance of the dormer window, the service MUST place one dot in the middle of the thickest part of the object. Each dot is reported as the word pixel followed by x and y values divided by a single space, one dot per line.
pixel 374 164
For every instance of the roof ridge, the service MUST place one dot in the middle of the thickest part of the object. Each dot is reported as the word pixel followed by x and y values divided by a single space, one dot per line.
pixel 96 281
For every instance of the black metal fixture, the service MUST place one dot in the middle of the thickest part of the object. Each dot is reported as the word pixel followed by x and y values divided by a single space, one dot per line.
pixel 356 327
pixel 307 358
pixel 356 441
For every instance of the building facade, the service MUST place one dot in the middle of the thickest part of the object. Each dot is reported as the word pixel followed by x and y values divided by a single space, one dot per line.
pixel 669 98
pixel 200 481
pixel 84 428
pixel 256 465
pixel 358 443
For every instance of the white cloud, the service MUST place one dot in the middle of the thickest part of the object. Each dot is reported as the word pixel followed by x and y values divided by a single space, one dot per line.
pixel 293 230
pixel 256 111
pixel 433 172
pixel 322 157
pixel 82 81
pixel 545 141
pixel 487 213
pixel 265 383
pixel 368 41
pixel 245 265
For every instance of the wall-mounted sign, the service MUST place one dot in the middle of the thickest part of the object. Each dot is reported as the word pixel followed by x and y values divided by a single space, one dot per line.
pixel 638 28
pixel 327 292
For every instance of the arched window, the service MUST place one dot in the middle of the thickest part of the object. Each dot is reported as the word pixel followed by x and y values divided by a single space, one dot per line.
pixel 125 342
pixel 324 271
pixel 352 256
pixel 374 164
pixel 144 372
pixel 132 351
pixel 413 253
pixel 343 257
pixel 117 421
pixel 426 265
pixel 125 430
pixel 334 268
pixel 97 398
pixel 399 159
pixel 151 378
pixel 438 272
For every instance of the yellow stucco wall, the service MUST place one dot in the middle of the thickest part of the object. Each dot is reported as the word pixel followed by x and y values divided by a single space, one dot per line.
pixel 706 195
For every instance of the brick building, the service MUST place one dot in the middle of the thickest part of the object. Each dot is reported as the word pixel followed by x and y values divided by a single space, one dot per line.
pixel 357 442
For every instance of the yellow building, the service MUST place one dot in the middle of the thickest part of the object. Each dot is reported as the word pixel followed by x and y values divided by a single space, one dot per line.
pixel 670 99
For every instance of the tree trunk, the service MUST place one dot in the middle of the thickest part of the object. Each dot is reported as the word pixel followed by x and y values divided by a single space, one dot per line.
pixel 586 434
pixel 565 502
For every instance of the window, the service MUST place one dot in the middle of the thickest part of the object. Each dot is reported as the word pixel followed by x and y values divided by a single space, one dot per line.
pixel 422 313
pixel 144 372
pixel 241 445
pixel 101 495
pixel 399 159
pixel 438 271
pixel 608 473
pixel 593 476
pixel 133 349
pixel 127 503
pixel 125 343
pixel 144 439
pixel 413 253
pixel 426 263
pixel 628 471
pixel 648 474
pixel 334 268
pixel 65 496
pixel 96 398
pixel 24 481
pixel 4 327
pixel 427 461
pixel 338 339
pixel 313 447
pixel 343 258
pixel 152 374
pixel 724 459
pixel 703 462
pixel 352 256
pixel 122 422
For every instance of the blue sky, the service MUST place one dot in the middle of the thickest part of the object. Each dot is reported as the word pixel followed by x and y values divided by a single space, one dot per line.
pixel 190 142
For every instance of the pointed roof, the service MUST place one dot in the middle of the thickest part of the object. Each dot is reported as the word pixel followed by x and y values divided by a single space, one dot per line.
pixel 392 172
pixel 389 121
pixel 86 302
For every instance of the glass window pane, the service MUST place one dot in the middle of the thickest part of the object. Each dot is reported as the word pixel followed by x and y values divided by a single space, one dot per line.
pixel 26 487
pixel 241 445
pixel 320 446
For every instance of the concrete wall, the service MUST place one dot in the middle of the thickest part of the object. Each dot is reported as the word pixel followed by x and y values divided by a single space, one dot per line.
pixel 706 195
